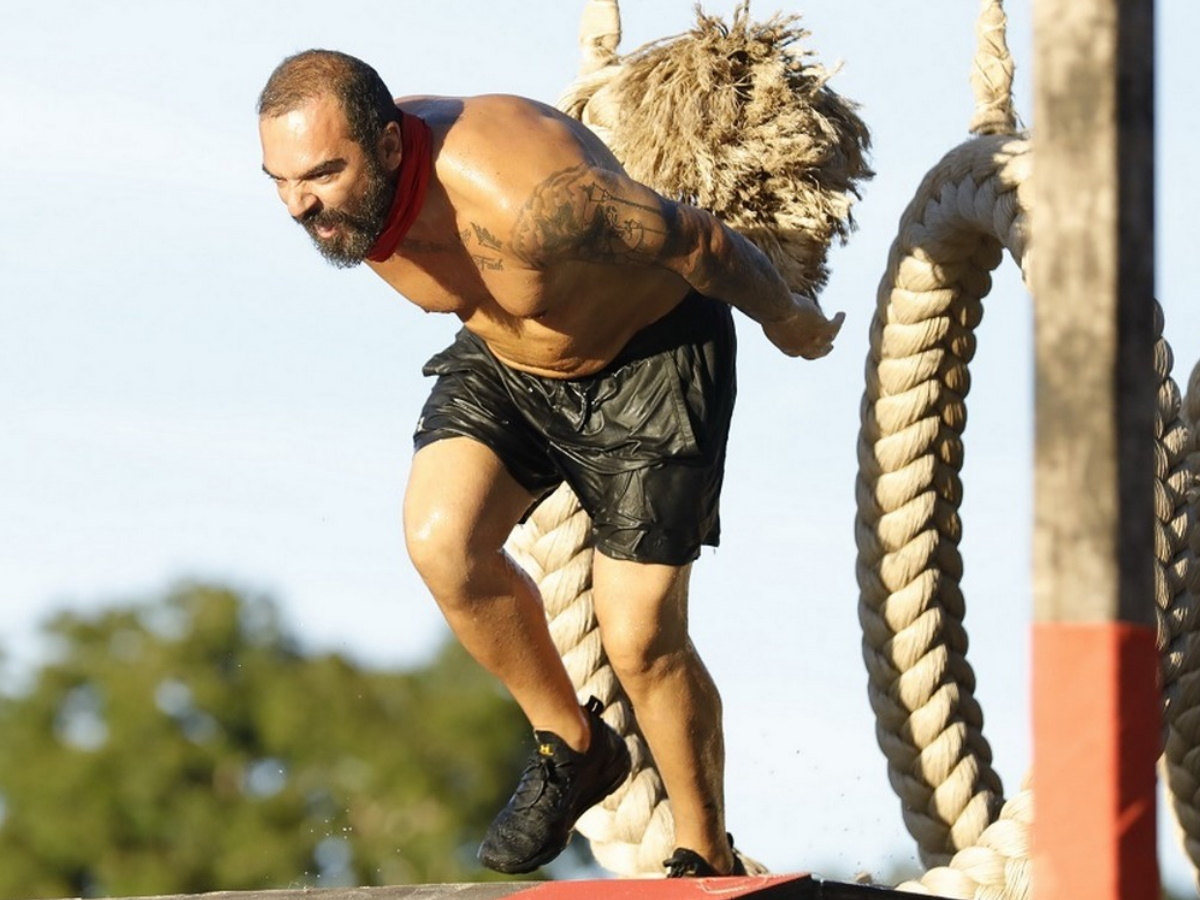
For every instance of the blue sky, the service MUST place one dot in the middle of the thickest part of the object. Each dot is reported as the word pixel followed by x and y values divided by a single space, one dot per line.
pixel 188 390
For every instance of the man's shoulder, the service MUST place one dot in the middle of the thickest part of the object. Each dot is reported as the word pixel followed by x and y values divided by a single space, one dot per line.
pixel 510 129
pixel 480 110
pixel 493 150
pixel 505 119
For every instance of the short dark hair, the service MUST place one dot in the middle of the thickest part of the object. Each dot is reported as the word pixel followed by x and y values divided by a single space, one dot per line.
pixel 364 98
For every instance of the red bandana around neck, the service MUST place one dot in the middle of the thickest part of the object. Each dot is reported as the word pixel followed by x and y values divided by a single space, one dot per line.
pixel 411 181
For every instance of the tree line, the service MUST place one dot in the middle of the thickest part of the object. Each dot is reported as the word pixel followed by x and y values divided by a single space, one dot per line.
pixel 189 744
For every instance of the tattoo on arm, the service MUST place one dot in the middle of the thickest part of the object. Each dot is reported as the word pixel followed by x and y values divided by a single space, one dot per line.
pixel 581 213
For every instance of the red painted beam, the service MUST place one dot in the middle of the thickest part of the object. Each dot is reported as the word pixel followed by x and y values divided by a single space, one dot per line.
pixel 777 887
pixel 758 887
pixel 1096 740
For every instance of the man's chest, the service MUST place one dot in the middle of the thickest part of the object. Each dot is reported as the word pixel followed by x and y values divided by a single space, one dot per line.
pixel 465 278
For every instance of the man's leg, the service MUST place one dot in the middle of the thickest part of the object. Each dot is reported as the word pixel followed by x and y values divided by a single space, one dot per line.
pixel 642 611
pixel 460 506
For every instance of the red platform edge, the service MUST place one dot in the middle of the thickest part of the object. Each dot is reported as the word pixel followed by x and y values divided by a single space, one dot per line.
pixel 799 886
pixel 664 888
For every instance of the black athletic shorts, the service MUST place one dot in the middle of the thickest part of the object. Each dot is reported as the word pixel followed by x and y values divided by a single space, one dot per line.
pixel 642 442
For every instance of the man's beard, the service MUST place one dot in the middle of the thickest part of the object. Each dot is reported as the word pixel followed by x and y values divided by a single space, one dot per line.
pixel 358 225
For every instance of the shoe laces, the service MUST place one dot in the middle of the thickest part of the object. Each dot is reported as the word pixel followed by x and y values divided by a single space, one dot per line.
pixel 538 778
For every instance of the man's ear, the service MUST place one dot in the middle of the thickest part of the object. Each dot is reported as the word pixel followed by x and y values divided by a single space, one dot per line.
pixel 390 144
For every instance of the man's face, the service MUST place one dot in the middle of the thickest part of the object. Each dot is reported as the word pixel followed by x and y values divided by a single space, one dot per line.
pixel 337 191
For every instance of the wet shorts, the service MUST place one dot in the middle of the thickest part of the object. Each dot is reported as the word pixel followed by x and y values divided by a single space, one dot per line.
pixel 641 443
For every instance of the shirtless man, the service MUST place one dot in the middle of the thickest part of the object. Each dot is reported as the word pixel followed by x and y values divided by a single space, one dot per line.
pixel 597 347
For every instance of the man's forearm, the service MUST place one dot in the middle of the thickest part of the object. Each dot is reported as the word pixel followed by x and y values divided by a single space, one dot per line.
pixel 720 263
pixel 729 267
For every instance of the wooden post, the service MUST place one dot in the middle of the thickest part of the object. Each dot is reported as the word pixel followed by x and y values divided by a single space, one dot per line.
pixel 1096 708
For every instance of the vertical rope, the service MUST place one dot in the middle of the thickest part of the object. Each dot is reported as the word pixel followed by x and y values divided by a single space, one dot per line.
pixel 599 35
pixel 1191 415
pixel 911 606
pixel 1181 652
pixel 992 73
pixel 586 98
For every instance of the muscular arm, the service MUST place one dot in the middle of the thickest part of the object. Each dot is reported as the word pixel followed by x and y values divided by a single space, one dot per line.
pixel 602 216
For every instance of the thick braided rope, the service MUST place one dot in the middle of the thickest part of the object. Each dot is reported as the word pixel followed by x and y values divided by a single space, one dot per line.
pixel 910 454
pixel 793 217
pixel 911 608
pixel 632 831
pixel 599 35
pixel 1191 417
pixel 998 866
pixel 1178 637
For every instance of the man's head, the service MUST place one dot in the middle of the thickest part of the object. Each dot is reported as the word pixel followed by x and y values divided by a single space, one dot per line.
pixel 331 143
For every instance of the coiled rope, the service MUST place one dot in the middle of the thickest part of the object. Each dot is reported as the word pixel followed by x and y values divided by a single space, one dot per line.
pixel 970 207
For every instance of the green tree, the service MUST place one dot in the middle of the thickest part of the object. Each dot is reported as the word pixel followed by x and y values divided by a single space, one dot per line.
pixel 189 745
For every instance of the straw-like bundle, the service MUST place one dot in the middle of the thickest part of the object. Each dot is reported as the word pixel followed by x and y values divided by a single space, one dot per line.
pixel 731 118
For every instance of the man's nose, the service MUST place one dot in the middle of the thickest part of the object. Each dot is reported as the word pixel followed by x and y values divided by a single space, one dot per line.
pixel 299 200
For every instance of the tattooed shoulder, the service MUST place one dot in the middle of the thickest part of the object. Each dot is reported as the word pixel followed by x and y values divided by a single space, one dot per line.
pixel 581 211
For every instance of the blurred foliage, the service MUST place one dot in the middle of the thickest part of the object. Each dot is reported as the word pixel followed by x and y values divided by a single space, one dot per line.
pixel 190 745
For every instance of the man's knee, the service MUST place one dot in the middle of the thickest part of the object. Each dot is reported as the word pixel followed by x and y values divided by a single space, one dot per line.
pixel 443 551
pixel 460 505
pixel 642 612
pixel 643 650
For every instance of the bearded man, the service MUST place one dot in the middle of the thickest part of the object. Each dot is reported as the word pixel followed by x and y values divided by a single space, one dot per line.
pixel 597 348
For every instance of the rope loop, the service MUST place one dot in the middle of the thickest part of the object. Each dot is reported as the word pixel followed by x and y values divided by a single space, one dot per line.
pixel 970 206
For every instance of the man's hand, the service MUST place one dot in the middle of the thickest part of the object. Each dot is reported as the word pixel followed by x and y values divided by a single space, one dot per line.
pixel 805 331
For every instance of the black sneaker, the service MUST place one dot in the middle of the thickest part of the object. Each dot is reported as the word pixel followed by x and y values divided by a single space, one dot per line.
pixel 685 863
pixel 556 788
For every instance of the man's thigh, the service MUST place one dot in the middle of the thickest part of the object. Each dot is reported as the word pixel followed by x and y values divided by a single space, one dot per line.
pixel 459 491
